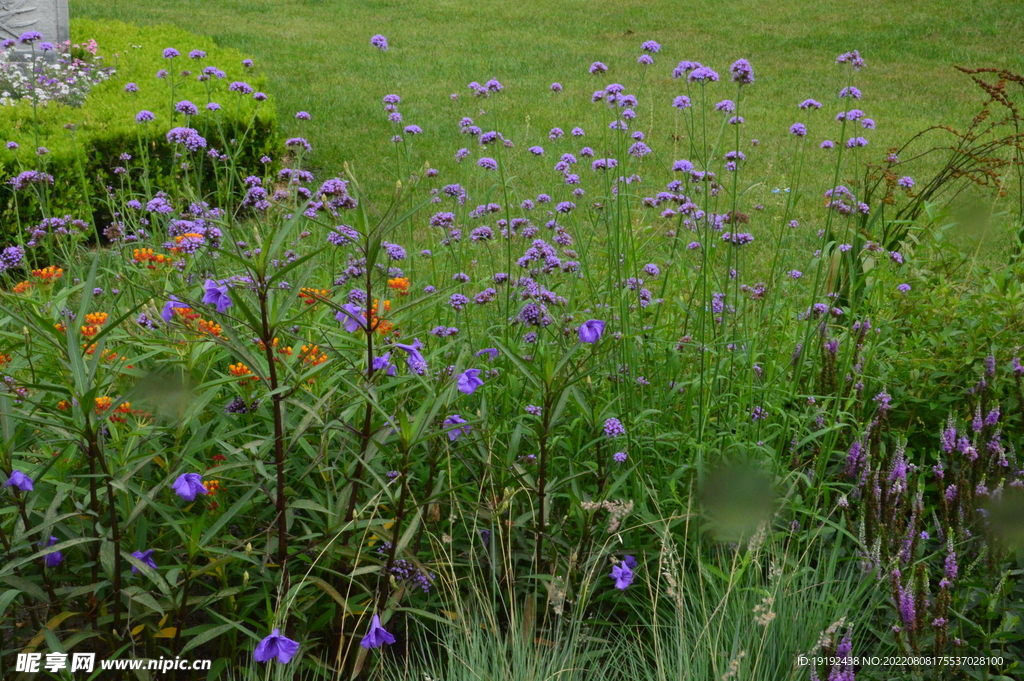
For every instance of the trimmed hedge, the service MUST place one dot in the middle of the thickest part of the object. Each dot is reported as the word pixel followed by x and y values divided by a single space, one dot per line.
pixel 85 143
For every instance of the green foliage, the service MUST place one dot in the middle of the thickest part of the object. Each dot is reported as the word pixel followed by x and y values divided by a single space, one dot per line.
pixel 85 143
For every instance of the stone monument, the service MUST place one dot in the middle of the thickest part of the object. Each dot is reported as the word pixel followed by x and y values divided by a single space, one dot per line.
pixel 49 17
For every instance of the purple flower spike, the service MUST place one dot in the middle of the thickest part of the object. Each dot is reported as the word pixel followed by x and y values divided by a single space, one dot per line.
pixel 143 557
pixel 276 646
pixel 622 575
pixel 376 636
pixel 591 330
pixel 19 480
pixel 188 485
pixel 216 295
pixel 469 381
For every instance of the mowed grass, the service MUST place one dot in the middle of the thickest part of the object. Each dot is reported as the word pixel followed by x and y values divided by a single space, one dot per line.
pixel 318 57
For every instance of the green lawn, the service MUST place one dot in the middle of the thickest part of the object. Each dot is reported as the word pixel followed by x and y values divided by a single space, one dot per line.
pixel 318 57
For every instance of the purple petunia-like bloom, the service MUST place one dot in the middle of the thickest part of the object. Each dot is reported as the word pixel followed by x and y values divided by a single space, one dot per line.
pixel 623 572
pixel 169 306
pixel 144 558
pixel 469 380
pixel 276 646
pixel 487 163
pixel 351 316
pixel 417 363
pixel 188 485
pixel 455 420
pixel 591 330
pixel 622 575
pixel 215 294
pixel 20 481
pixel 380 42
pixel 54 558
pixel 376 636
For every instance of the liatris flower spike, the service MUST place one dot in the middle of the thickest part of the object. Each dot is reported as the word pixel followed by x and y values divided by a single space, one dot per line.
pixel 276 646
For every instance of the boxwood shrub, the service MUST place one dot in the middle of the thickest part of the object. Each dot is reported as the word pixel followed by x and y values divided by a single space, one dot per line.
pixel 85 144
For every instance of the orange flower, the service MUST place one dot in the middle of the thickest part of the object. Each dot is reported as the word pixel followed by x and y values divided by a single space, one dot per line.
pixel 211 328
pixel 239 370
pixel 60 326
pixel 400 284
pixel 211 486
pixel 63 405
pixel 312 355
pixel 242 373
pixel 23 286
pixel 380 325
pixel 6 359
pixel 103 404
pixel 48 274
pixel 97 318
pixel 282 350
pixel 312 295
pixel 90 331
pixel 146 256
